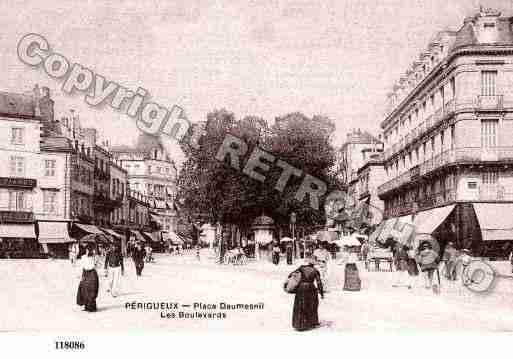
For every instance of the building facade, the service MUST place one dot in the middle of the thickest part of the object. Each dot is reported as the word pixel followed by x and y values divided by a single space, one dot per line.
pixel 152 173
pixel 35 180
pixel 448 147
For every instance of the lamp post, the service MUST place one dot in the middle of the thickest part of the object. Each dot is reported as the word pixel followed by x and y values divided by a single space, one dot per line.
pixel 293 223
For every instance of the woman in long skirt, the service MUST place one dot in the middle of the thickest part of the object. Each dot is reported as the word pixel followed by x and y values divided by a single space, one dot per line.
pixel 88 287
pixel 352 281
pixel 305 314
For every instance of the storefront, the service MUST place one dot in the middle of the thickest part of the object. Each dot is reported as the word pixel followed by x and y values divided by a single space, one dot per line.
pixel 18 240
pixel 54 239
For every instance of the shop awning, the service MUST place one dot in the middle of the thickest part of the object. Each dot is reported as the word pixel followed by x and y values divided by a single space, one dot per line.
pixel 89 228
pixel 495 220
pixel 385 232
pixel 113 233
pixel 54 232
pixel 428 221
pixel 17 231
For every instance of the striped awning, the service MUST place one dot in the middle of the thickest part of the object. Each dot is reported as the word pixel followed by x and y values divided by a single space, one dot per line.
pixel 54 232
pixel 17 231
pixel 113 233
pixel 89 228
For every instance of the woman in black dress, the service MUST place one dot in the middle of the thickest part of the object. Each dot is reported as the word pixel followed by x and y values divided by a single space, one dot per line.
pixel 306 302
pixel 88 287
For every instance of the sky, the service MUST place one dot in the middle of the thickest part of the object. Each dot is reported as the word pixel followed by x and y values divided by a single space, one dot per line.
pixel 266 58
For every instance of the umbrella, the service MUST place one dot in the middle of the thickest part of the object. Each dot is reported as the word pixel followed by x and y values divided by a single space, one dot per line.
pixel 327 236
pixel 350 241
pixel 287 239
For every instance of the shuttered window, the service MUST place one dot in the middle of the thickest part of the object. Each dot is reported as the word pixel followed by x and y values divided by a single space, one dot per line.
pixel 488 83
pixel 489 133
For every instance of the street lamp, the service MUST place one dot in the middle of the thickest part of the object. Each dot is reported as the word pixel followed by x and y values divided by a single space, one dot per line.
pixel 293 223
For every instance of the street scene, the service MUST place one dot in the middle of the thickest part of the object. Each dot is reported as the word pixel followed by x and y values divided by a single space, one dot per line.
pixel 256 188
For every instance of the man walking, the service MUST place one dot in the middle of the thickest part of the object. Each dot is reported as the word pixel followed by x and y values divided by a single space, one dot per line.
pixel 138 255
pixel 115 268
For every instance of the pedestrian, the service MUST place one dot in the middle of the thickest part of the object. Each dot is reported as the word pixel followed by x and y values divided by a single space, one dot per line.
pixel 289 253
pixel 305 314
pixel 322 257
pixel 276 254
pixel 115 268
pixel 428 261
pixel 450 256
pixel 89 284
pixel 149 253
pixel 352 281
pixel 364 250
pixel 406 266
pixel 138 254
pixel 73 253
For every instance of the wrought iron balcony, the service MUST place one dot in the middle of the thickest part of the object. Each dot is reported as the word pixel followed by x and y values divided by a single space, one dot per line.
pixel 489 103
pixel 468 155
pixel 16 216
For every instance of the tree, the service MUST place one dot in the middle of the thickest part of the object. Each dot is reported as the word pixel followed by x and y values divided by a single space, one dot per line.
pixel 212 190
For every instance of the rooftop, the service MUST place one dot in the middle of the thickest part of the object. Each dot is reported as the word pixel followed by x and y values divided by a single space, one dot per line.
pixel 16 104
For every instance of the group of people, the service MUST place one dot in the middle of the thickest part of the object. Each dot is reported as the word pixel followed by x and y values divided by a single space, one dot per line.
pixel 289 252
pixel 114 269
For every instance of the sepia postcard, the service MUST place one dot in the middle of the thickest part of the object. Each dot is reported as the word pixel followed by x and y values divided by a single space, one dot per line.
pixel 289 167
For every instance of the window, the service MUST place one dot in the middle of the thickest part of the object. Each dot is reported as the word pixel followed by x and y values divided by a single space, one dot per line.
pixel 17 165
pixel 17 137
pixel 50 168
pixel 472 185
pixel 490 178
pixel 441 141
pixel 50 202
pixel 417 155
pixel 17 200
pixel 424 148
pixel 432 146
pixel 488 83
pixel 489 25
pixel 452 82
pixel 489 133
pixel 149 169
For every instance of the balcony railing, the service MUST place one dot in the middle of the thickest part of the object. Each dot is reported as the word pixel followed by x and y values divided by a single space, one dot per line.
pixel 466 155
pixel 16 216
pixel 437 117
pixel 489 102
